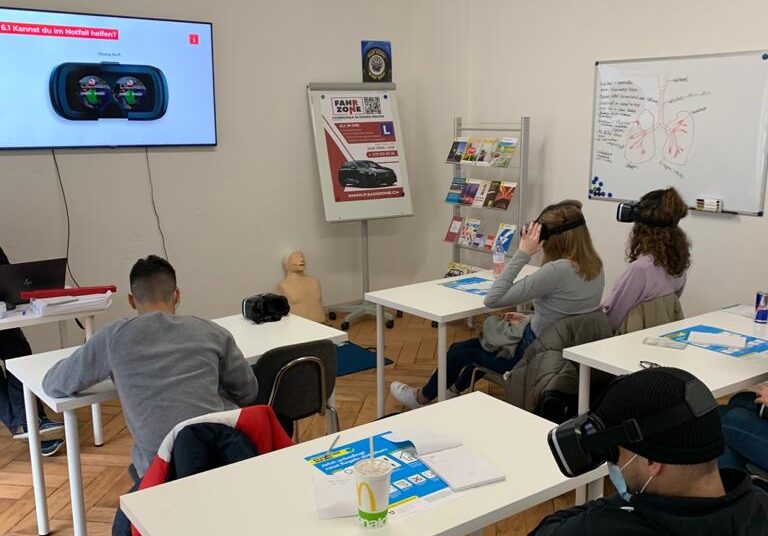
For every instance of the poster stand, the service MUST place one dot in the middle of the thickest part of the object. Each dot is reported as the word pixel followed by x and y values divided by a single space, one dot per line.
pixel 361 162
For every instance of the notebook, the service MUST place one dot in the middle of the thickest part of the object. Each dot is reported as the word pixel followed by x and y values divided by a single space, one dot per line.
pixel 458 466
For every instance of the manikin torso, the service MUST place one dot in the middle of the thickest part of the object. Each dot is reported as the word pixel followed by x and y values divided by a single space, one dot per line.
pixel 302 290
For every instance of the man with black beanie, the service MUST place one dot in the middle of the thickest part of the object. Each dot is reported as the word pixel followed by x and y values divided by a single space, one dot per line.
pixel 667 482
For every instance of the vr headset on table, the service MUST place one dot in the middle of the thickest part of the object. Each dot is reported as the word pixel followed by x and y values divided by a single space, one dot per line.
pixel 584 443
pixel 548 231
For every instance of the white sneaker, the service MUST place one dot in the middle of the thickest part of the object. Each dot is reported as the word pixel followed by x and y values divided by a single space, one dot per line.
pixel 405 394
pixel 451 393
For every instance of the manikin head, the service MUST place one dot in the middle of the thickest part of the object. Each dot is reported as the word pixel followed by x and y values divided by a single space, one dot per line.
pixel 295 263
pixel 153 286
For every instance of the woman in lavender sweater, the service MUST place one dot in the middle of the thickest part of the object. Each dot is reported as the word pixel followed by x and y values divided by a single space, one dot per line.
pixel 659 255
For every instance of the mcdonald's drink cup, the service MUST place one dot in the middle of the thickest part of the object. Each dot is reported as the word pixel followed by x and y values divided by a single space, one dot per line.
pixel 372 492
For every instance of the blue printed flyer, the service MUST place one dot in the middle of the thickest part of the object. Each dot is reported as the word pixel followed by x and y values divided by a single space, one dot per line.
pixel 474 285
pixel 412 487
pixel 754 346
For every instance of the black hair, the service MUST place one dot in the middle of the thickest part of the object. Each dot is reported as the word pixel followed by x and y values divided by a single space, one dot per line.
pixel 153 280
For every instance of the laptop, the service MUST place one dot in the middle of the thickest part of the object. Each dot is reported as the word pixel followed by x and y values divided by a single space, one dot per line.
pixel 38 275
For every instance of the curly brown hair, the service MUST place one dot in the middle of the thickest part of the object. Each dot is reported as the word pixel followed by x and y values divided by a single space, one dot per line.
pixel 657 234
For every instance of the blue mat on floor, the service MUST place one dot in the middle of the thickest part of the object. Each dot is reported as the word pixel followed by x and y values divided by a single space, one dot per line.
pixel 351 358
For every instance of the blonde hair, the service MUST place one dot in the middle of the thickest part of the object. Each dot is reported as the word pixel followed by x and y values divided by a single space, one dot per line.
pixel 575 244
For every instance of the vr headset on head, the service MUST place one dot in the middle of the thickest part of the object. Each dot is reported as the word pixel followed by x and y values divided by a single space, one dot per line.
pixel 548 231
pixel 585 442
pixel 630 212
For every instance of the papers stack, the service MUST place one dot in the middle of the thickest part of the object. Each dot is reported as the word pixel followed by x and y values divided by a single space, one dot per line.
pixel 727 339
pixel 448 458
pixel 63 305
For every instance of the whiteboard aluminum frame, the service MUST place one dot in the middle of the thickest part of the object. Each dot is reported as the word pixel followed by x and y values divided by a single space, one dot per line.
pixel 358 210
pixel 762 52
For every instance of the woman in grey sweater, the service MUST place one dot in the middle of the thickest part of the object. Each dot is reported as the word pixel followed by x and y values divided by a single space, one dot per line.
pixel 570 282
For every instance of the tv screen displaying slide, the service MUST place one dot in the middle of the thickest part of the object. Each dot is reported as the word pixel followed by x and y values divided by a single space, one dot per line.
pixel 73 80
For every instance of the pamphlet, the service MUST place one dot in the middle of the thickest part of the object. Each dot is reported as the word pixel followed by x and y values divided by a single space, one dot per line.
pixel 482 192
pixel 453 230
pixel 504 194
pixel 502 156
pixel 753 346
pixel 468 232
pixel 474 285
pixel 505 236
pixel 469 191
pixel 454 193
pixel 413 486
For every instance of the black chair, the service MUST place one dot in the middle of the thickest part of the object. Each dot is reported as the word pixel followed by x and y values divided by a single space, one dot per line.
pixel 297 381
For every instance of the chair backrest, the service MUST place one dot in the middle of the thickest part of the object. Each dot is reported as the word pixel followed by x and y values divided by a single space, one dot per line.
pixel 297 380
pixel 652 313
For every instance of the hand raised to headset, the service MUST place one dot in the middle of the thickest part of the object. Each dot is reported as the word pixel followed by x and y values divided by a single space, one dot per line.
pixel 530 241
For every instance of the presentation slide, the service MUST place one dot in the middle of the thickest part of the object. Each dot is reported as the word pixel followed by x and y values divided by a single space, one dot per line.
pixel 70 80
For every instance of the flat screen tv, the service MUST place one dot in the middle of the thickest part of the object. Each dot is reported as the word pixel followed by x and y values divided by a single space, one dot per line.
pixel 77 80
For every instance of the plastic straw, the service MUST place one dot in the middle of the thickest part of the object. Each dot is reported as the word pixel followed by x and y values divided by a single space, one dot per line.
pixel 371 442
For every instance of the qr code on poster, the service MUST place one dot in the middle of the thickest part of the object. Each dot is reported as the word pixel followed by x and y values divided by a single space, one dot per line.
pixel 372 105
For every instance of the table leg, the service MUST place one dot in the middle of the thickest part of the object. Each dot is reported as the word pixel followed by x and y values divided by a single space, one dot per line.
pixel 63 339
pixel 36 461
pixel 98 433
pixel 75 475
pixel 593 490
pixel 442 342
pixel 380 394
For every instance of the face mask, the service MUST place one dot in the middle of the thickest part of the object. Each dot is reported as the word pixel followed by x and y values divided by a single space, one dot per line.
pixel 617 479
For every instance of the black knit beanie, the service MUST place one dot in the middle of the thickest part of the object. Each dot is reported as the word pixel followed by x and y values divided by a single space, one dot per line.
pixel 651 392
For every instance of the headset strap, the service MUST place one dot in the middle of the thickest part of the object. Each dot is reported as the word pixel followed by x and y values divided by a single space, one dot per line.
pixel 635 430
pixel 567 226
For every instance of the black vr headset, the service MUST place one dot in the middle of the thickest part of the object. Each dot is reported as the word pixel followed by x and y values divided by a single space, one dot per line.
pixel 584 443
pixel 630 212
pixel 93 91
pixel 548 231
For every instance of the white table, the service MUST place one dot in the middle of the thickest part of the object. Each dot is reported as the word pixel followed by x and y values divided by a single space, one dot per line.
pixel 22 317
pixel 622 355
pixel 254 340
pixel 274 493
pixel 433 301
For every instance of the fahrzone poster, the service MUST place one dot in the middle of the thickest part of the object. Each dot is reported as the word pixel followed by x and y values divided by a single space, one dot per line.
pixel 360 155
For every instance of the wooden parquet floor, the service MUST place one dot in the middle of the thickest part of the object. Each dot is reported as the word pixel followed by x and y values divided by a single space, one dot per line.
pixel 411 344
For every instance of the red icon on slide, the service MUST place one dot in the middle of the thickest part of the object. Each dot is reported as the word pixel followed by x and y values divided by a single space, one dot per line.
pixel 194 39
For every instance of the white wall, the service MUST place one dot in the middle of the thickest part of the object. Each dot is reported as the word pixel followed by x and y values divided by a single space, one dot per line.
pixel 536 58
pixel 231 213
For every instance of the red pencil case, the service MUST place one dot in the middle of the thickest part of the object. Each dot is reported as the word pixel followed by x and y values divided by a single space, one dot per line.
pixel 56 292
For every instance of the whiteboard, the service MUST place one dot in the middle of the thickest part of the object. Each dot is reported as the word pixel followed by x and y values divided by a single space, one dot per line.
pixel 697 123
pixel 359 147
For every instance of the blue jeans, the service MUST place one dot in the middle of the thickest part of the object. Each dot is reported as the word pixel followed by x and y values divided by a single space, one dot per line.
pixel 121 526
pixel 463 356
pixel 746 434
pixel 12 413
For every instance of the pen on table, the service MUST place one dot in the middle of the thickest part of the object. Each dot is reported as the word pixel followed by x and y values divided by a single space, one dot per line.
pixel 336 440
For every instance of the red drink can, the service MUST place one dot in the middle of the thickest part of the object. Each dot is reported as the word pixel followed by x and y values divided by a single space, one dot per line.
pixel 761 308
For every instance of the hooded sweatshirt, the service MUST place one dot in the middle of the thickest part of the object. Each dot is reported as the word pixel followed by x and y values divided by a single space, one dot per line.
pixel 742 511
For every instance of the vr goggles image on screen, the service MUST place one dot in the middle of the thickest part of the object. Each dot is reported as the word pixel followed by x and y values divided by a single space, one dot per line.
pixel 101 81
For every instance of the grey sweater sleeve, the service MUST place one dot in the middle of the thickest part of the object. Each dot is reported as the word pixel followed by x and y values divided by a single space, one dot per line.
pixel 87 366
pixel 505 292
pixel 236 377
